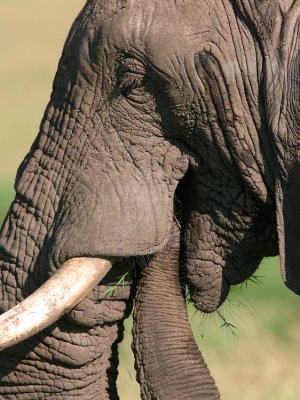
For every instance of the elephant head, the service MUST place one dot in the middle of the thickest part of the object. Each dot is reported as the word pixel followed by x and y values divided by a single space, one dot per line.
pixel 171 134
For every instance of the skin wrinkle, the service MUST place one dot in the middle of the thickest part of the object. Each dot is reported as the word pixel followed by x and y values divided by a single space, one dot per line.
pixel 217 142
pixel 20 279
pixel 79 374
pixel 223 77
pixel 237 27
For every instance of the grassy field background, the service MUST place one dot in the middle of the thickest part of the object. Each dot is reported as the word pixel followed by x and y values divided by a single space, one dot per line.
pixel 260 357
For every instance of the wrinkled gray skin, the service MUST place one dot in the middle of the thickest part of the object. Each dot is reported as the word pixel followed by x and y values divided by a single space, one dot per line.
pixel 155 100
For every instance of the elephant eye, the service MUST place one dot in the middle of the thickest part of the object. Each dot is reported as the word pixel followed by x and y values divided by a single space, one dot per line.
pixel 129 84
pixel 131 76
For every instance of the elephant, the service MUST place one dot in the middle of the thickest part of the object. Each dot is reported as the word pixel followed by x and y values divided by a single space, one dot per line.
pixel 167 158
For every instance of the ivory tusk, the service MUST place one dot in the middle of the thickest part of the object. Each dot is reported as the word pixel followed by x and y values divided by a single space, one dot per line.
pixel 63 291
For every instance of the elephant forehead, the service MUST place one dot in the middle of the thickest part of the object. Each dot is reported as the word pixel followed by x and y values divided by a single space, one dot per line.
pixel 159 28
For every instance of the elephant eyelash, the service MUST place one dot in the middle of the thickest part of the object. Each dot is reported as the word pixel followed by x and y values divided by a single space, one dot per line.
pixel 129 83
pixel 131 74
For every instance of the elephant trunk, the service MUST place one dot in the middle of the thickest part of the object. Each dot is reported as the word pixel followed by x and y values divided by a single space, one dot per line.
pixel 76 355
pixel 168 362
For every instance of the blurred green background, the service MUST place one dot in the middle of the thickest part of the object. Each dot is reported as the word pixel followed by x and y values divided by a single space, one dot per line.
pixel 259 356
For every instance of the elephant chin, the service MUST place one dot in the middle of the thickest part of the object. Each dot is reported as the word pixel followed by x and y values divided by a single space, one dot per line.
pixel 63 291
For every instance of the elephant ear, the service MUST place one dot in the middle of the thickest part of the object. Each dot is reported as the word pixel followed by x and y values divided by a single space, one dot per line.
pixel 276 24
pixel 288 227
pixel 273 22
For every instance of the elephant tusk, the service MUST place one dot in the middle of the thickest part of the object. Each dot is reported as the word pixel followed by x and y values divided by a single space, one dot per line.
pixel 63 291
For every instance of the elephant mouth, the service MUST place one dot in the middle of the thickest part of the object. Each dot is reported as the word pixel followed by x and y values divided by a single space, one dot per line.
pixel 209 269
pixel 223 244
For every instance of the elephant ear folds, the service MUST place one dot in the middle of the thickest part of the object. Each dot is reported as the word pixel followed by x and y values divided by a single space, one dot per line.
pixel 288 227
pixel 272 20
pixel 261 15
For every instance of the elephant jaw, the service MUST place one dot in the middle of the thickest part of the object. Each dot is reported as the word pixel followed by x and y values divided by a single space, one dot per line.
pixel 63 291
